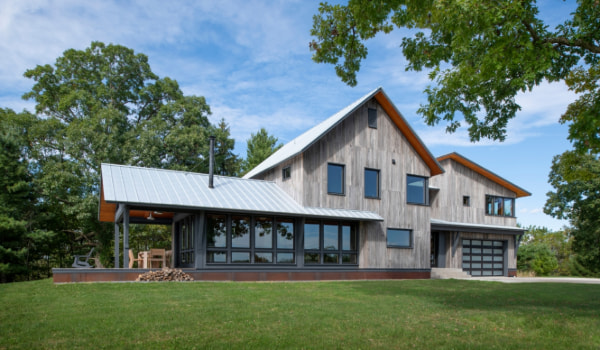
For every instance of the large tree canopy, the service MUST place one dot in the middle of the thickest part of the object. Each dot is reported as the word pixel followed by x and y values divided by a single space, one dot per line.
pixel 480 54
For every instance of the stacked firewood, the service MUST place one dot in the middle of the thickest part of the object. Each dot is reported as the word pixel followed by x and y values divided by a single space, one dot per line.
pixel 166 274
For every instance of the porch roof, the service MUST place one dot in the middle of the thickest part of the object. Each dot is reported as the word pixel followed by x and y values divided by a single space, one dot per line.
pixel 170 190
pixel 442 225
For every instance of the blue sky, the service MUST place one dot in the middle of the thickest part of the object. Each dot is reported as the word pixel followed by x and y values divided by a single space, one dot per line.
pixel 251 61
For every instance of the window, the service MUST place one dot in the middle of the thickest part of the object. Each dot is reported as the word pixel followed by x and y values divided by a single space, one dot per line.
pixel 185 230
pixel 327 243
pixel 499 206
pixel 416 190
pixel 371 183
pixel 466 201
pixel 335 179
pixel 286 172
pixel 373 118
pixel 249 239
pixel 399 238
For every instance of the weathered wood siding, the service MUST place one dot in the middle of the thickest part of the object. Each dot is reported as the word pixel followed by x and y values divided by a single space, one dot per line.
pixel 459 181
pixel 357 146
pixel 292 186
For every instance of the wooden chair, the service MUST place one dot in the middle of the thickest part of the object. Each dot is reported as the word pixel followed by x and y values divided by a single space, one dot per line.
pixel 132 259
pixel 158 256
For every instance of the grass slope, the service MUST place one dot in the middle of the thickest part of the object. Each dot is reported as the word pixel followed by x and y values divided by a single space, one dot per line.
pixel 314 315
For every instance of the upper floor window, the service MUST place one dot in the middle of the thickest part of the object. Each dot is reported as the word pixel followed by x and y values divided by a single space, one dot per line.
pixel 335 178
pixel 371 183
pixel 417 190
pixel 373 118
pixel 499 206
pixel 466 201
pixel 286 172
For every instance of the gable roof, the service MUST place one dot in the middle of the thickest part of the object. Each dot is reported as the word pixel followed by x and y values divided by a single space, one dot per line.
pixel 307 139
pixel 485 173
pixel 171 190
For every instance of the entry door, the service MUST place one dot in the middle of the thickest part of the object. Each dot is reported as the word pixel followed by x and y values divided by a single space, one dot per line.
pixel 483 257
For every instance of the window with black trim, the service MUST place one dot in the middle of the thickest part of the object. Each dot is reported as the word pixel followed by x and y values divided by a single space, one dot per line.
pixel 372 118
pixel 499 206
pixel 236 239
pixel 286 172
pixel 399 238
pixel 371 183
pixel 466 201
pixel 335 178
pixel 417 190
pixel 330 242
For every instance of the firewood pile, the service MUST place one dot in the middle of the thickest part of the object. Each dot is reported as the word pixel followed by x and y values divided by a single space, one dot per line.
pixel 166 274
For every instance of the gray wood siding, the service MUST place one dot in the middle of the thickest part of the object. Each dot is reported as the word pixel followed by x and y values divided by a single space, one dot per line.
pixel 357 146
pixel 292 186
pixel 459 181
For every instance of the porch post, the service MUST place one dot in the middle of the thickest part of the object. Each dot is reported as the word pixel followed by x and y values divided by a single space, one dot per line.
pixel 126 238
pixel 116 244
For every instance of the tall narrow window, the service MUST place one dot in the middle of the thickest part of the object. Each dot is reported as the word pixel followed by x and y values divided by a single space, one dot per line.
pixel 372 118
pixel 286 172
pixel 416 189
pixel 371 183
pixel 335 178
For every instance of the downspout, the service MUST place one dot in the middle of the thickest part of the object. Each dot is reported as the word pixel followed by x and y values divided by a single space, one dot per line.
pixel 211 161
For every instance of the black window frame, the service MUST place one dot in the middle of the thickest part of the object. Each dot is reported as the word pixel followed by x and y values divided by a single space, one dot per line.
pixel 372 118
pixel 286 172
pixel 343 180
pixel 425 189
pixel 322 252
pixel 490 208
pixel 466 201
pixel 410 238
pixel 378 184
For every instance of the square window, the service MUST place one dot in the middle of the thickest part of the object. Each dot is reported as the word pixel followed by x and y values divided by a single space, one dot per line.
pixel 416 189
pixel 398 238
pixel 286 172
pixel 335 179
pixel 466 201
pixel 371 183
pixel 373 118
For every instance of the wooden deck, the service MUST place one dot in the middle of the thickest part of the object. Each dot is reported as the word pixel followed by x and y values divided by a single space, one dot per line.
pixel 72 275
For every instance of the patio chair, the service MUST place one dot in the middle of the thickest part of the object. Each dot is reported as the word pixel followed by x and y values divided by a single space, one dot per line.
pixel 132 260
pixel 82 261
pixel 156 255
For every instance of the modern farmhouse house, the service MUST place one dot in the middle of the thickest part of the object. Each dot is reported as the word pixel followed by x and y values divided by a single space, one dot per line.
pixel 358 196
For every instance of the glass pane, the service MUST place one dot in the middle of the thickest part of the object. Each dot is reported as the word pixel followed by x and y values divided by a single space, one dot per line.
pixel 330 237
pixel 335 178
pixel 487 273
pixel 498 258
pixel 466 241
pixel 372 118
pixel 497 206
pixel 498 266
pixel 311 258
pixel 476 242
pixel 498 251
pixel 466 258
pixel 476 258
pixel 285 234
pixel 487 266
pixel 216 257
pixel 398 238
pixel 311 236
pixel 348 237
pixel 466 250
pixel 487 258
pixel 475 266
pixel 415 189
pixel 498 244
pixel 475 273
pixel 508 206
pixel 285 258
pixel 263 233
pixel 349 259
pixel 260 258
pixel 489 200
pixel 476 250
pixel 371 183
pixel 466 265
pixel 487 251
pixel 487 243
pixel 216 231
pixel 498 273
pixel 330 258
pixel 240 232
pixel 240 257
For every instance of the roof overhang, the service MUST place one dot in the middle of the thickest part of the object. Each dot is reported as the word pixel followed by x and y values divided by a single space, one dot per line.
pixel 441 225
pixel 485 173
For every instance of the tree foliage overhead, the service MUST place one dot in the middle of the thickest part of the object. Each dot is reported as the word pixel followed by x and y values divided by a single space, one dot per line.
pixel 480 55
pixel 260 146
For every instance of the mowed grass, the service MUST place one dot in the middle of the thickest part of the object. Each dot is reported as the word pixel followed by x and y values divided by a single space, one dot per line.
pixel 423 314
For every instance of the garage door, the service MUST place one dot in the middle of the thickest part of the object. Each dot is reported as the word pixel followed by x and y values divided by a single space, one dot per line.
pixel 483 257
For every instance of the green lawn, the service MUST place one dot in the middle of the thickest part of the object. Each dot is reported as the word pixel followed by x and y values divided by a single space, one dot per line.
pixel 423 314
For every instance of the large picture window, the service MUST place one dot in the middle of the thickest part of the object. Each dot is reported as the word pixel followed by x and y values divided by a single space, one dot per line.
pixel 417 190
pixel 371 183
pixel 499 206
pixel 238 239
pixel 335 178
pixel 328 243
pixel 399 238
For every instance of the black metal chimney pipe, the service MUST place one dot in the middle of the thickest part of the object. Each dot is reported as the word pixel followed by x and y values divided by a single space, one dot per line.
pixel 211 160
